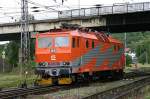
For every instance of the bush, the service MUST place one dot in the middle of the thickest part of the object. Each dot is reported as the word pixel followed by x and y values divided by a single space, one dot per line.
pixel 128 60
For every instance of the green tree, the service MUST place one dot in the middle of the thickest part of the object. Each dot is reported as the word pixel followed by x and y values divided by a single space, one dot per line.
pixel 143 50
pixel 138 42
pixel 12 52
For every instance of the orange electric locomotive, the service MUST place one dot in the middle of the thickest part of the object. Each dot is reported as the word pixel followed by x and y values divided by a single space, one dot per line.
pixel 70 55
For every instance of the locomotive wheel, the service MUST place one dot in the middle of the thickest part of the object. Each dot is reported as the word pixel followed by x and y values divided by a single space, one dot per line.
pixel 73 77
pixel 117 75
pixel 121 73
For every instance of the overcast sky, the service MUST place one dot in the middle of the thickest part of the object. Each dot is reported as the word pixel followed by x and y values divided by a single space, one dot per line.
pixel 10 9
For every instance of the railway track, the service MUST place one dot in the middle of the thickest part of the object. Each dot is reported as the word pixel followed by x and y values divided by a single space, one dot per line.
pixel 22 92
pixel 121 91
pixel 7 94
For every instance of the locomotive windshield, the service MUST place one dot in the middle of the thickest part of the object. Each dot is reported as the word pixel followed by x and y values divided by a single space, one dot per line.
pixel 61 41
pixel 44 42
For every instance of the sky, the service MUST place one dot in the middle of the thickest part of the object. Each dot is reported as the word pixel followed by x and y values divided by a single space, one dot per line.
pixel 10 9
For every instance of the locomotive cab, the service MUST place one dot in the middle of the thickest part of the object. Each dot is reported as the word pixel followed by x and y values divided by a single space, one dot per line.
pixel 52 55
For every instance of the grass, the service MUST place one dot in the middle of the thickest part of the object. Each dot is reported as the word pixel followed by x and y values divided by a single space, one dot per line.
pixel 147 94
pixel 145 67
pixel 13 80
pixel 148 97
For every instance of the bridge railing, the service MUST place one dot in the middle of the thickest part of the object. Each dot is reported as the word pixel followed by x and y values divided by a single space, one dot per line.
pixel 105 10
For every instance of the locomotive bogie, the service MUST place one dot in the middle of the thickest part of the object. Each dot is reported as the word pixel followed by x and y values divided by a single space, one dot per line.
pixel 45 81
pixel 64 80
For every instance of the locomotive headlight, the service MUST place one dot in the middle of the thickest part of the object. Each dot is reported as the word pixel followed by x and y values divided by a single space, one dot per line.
pixel 66 63
pixel 43 64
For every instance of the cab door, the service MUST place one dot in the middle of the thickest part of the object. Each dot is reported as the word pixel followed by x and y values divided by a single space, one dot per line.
pixel 76 50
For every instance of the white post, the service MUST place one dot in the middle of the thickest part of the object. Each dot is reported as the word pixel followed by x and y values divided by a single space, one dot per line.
pixel 125 38
pixel 3 57
pixel 3 66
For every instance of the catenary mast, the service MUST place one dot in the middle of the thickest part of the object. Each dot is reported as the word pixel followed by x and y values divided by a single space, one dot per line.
pixel 25 37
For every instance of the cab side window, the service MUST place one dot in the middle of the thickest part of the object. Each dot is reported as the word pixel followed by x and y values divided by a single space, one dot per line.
pixel 115 48
pixel 78 42
pixel 87 44
pixel 118 47
pixel 93 45
pixel 73 42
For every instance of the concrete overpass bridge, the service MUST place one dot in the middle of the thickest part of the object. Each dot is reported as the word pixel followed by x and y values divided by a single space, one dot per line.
pixel 116 18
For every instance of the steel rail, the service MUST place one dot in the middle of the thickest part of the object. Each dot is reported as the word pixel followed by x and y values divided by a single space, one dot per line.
pixel 26 91
pixel 116 93
pixel 128 92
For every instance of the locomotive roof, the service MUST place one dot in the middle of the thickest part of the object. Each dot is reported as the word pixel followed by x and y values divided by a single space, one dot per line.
pixel 90 35
pixel 73 33
pixel 113 40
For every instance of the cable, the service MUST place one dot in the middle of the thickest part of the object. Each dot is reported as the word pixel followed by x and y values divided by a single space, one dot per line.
pixel 46 7
pixel 49 7
pixel 63 5
pixel 6 13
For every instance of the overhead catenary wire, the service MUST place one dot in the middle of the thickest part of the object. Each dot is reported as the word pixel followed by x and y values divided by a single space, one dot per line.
pixel 42 8
pixel 47 7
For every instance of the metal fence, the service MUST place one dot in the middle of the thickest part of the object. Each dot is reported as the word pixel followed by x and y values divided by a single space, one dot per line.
pixel 105 10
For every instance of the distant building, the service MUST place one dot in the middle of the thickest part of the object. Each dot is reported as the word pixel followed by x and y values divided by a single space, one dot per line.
pixel 133 56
